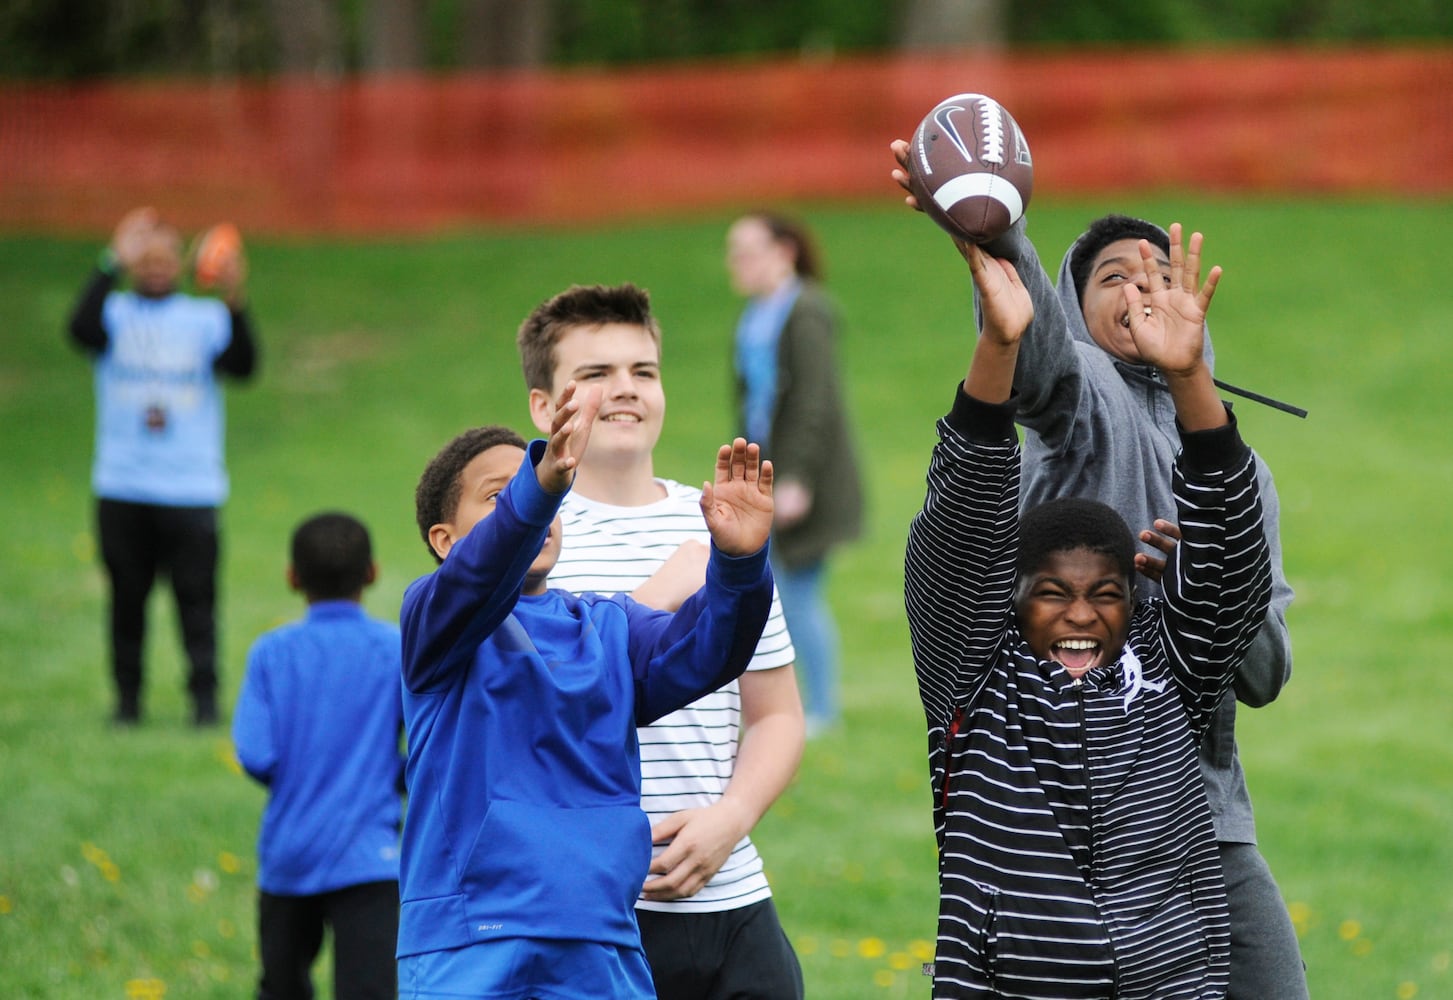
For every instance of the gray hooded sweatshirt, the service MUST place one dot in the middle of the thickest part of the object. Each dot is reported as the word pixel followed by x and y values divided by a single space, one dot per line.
pixel 1099 428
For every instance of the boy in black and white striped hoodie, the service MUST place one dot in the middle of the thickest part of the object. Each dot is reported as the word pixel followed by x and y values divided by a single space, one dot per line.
pixel 1077 855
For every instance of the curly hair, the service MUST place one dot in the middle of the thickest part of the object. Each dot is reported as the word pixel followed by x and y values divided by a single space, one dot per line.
pixel 331 556
pixel 1070 523
pixel 1102 232
pixel 436 499
pixel 578 305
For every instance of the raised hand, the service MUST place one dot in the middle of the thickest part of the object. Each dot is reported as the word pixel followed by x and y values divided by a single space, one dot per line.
pixel 569 434
pixel 738 505
pixel 1167 322
pixel 900 173
pixel 1005 304
pixel 130 236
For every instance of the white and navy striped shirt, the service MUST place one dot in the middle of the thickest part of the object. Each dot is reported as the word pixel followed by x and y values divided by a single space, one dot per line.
pixel 1076 853
pixel 686 757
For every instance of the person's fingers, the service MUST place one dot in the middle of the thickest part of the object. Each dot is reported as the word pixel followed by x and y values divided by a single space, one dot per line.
pixel 1203 299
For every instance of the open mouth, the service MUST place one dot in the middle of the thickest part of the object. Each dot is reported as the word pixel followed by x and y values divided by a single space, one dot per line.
pixel 1076 655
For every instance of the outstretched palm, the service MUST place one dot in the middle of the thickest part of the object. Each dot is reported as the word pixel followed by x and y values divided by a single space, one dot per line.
pixel 1167 323
pixel 570 428
pixel 738 505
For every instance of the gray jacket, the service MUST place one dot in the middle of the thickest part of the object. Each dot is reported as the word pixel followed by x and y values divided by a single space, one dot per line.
pixel 1099 428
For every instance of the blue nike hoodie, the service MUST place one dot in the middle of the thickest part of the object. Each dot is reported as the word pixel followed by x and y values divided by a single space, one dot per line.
pixel 524 775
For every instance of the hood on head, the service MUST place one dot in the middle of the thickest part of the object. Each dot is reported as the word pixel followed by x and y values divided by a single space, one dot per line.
pixel 1075 318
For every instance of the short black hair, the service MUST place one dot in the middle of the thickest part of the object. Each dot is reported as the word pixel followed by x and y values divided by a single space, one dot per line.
pixel 1102 232
pixel 1070 523
pixel 436 499
pixel 331 556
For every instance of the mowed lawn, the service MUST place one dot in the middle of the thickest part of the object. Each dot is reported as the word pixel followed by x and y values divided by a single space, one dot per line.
pixel 126 858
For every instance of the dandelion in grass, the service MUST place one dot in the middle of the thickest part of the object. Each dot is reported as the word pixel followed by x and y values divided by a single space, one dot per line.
pixel 101 861
pixel 203 884
pixel 226 755
pixel 145 989
pixel 1301 915
pixel 83 547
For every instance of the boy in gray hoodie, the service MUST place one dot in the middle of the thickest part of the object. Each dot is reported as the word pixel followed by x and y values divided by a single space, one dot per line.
pixel 1100 425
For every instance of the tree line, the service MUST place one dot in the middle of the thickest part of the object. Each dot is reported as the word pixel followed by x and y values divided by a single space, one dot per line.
pixel 81 39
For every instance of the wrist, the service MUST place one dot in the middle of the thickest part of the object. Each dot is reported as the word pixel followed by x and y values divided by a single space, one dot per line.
pixel 743 816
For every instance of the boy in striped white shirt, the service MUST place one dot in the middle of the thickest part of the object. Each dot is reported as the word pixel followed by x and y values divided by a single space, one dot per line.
pixel 1077 858
pixel 709 771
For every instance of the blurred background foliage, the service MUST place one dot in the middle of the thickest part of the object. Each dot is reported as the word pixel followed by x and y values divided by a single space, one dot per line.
pixel 87 39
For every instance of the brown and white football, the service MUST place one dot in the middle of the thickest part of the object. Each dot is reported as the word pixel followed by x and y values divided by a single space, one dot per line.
pixel 969 167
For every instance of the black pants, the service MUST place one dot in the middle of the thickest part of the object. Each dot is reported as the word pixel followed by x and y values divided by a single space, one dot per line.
pixel 365 922
pixel 138 541
pixel 740 954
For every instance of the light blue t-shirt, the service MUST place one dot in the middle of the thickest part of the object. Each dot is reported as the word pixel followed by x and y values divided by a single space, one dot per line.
pixel 758 331
pixel 159 416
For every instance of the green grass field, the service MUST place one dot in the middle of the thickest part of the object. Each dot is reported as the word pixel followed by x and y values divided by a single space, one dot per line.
pixel 126 858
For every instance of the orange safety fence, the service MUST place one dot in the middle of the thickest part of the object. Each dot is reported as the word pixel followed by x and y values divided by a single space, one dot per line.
pixel 418 153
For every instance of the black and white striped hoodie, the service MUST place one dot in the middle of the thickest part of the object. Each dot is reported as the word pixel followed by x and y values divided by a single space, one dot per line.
pixel 1076 853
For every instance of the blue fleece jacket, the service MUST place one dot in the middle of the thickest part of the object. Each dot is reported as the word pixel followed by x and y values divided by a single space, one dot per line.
pixel 318 723
pixel 524 815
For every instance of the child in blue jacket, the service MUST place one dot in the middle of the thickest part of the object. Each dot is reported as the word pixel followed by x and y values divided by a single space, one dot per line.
pixel 525 845
pixel 318 723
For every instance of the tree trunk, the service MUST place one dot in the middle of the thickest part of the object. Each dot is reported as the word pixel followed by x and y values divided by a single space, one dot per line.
pixel 394 36
pixel 504 33
pixel 308 37
pixel 948 24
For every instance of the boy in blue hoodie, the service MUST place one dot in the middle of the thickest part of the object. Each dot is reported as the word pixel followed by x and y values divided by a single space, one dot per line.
pixel 318 723
pixel 525 845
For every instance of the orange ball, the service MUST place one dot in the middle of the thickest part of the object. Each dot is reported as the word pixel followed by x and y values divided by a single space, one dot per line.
pixel 218 247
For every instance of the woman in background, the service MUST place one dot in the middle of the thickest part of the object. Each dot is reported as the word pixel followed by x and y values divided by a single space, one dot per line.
pixel 789 398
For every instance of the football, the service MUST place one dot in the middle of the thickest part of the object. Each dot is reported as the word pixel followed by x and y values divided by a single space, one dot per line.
pixel 217 247
pixel 969 167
